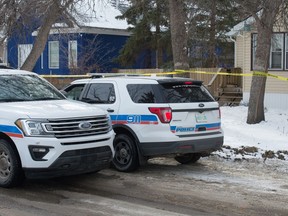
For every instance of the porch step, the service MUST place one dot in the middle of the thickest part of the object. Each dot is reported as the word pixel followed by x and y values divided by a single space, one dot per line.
pixel 230 95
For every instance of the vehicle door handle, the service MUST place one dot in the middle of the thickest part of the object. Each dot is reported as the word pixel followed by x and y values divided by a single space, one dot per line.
pixel 110 110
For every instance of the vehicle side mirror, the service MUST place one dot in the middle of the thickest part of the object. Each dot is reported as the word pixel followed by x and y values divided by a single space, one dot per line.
pixel 64 93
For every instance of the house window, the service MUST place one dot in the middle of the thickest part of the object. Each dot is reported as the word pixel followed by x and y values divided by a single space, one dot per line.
pixel 23 52
pixel 276 51
pixel 72 54
pixel 53 54
pixel 254 46
pixel 286 51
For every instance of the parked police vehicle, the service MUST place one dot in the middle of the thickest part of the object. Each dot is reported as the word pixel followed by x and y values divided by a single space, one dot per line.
pixel 154 116
pixel 42 134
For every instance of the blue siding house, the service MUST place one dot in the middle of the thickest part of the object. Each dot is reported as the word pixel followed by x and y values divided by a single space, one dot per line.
pixel 77 47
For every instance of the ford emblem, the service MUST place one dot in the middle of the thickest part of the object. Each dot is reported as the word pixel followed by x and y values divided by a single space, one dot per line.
pixel 85 125
pixel 201 105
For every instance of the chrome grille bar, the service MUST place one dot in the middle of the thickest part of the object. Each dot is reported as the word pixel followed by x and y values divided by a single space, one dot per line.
pixel 65 128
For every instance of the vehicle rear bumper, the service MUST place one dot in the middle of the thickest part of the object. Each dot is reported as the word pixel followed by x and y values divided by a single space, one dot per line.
pixel 73 162
pixel 205 145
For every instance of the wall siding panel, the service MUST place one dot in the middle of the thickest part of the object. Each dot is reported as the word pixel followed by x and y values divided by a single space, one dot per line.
pixel 272 100
pixel 276 94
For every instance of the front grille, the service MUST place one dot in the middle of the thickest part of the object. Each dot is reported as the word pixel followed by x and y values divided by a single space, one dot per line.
pixel 66 128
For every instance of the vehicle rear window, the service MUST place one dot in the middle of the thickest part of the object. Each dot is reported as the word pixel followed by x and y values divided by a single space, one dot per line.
pixel 156 93
pixel 186 93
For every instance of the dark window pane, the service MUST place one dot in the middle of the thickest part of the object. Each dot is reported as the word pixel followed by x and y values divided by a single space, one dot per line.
pixel 73 92
pixel 186 94
pixel 141 93
pixel 101 93
pixel 276 60
pixel 286 60
pixel 144 93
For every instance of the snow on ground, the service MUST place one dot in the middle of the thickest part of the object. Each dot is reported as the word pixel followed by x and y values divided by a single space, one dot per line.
pixel 268 139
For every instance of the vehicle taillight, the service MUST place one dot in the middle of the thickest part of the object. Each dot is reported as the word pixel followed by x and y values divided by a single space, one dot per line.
pixel 188 83
pixel 163 113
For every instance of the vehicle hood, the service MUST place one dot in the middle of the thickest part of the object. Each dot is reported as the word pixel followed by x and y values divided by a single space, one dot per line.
pixel 49 109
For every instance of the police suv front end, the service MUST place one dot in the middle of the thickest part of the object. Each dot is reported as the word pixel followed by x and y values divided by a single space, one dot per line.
pixel 45 135
pixel 50 147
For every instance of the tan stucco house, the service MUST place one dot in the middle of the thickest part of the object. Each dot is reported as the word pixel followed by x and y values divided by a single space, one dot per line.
pixel 244 36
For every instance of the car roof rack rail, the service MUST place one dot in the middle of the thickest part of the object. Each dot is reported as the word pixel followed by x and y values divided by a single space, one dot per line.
pixel 5 66
pixel 102 75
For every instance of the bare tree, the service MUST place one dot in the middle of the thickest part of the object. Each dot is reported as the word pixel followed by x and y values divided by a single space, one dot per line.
pixel 178 18
pixel 96 57
pixel 19 15
pixel 264 13
pixel 54 10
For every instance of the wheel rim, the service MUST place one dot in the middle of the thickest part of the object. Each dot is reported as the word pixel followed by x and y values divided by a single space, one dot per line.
pixel 123 153
pixel 5 165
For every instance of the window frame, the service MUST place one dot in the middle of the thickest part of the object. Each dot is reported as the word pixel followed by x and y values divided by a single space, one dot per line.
pixel 23 52
pixel 284 52
pixel 95 86
pixel 57 52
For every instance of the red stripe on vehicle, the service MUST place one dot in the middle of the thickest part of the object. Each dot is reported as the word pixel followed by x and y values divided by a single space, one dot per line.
pixel 14 135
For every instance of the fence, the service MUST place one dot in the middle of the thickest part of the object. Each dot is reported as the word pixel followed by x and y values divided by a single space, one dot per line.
pixel 212 81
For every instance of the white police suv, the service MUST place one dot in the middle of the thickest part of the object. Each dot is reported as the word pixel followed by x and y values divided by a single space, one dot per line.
pixel 154 116
pixel 42 134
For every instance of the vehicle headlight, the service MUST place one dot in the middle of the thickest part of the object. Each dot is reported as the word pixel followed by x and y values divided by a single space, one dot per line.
pixel 109 123
pixel 32 127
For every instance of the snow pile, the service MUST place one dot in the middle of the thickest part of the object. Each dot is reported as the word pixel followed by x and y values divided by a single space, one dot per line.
pixel 268 139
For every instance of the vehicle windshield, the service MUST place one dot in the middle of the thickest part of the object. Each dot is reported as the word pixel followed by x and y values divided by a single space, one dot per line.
pixel 21 87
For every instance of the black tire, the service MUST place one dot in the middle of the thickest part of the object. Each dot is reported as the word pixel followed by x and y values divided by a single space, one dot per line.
pixel 11 173
pixel 126 157
pixel 188 158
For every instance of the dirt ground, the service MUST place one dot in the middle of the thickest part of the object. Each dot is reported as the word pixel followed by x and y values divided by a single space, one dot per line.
pixel 212 186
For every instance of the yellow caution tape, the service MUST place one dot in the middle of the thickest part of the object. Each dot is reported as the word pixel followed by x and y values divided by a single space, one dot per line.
pixel 260 73
pixel 65 76
pixel 254 73
pixel 219 73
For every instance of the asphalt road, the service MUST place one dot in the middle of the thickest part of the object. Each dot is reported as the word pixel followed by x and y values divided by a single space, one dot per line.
pixel 212 186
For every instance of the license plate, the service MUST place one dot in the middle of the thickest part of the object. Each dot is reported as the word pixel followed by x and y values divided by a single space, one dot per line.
pixel 200 117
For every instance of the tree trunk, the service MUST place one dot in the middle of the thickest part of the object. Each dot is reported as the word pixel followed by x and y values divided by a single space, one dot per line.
pixel 41 38
pixel 159 53
pixel 53 13
pixel 212 34
pixel 178 34
pixel 258 84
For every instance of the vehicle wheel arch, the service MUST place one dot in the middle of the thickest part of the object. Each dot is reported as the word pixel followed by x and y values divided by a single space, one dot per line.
pixel 124 129
pixel 12 173
pixel 10 141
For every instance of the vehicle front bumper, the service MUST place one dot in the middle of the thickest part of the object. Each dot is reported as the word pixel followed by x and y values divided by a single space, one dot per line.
pixel 73 162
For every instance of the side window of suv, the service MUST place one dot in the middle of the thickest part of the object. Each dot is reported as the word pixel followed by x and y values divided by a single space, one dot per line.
pixel 73 92
pixel 101 93
pixel 141 93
